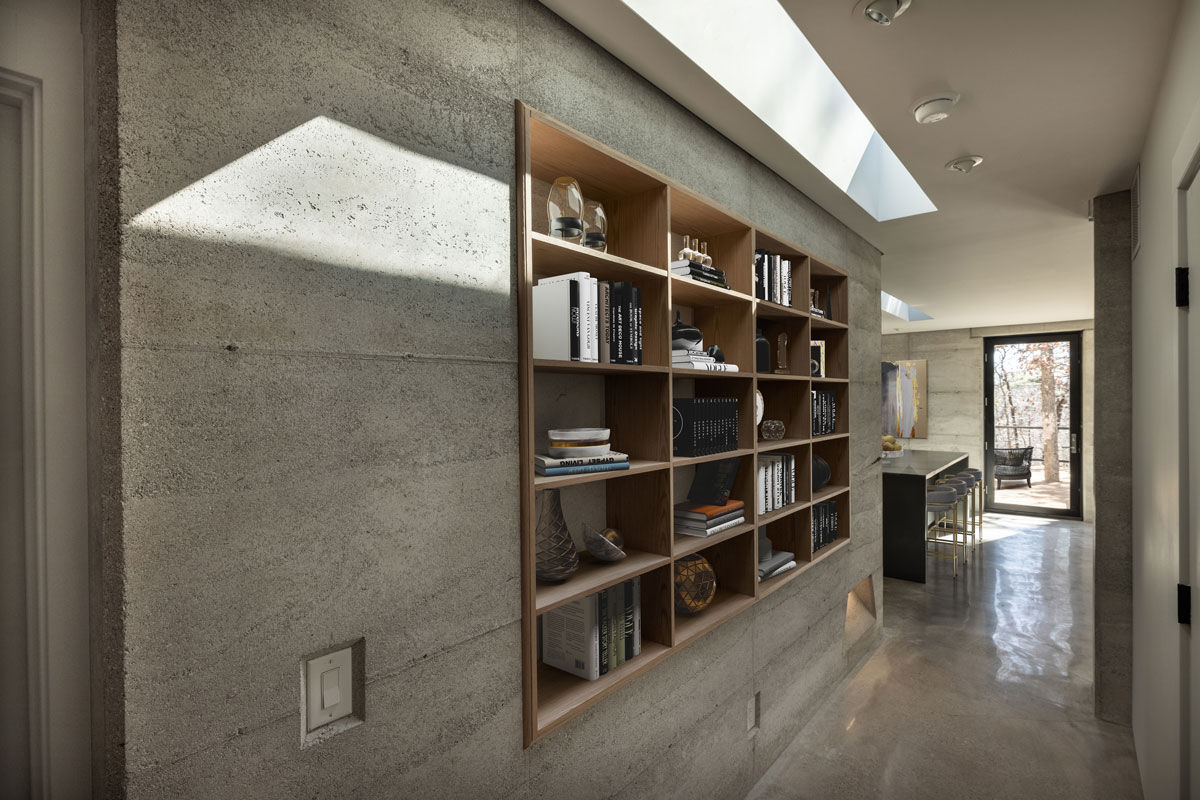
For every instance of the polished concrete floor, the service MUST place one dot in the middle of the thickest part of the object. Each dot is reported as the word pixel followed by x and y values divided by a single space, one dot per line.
pixel 981 687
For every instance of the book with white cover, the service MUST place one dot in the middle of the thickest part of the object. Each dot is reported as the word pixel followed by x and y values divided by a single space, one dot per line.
pixel 703 533
pixel 571 638
pixel 552 321
pixel 701 365
pixel 589 312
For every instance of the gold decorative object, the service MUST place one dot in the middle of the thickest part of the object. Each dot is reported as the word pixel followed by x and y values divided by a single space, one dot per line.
pixel 557 558
pixel 605 545
pixel 695 584
pixel 782 369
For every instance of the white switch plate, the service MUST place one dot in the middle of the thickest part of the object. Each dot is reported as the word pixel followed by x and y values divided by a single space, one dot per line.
pixel 332 698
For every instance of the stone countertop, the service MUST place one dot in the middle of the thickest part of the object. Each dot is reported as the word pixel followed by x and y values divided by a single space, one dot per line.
pixel 922 463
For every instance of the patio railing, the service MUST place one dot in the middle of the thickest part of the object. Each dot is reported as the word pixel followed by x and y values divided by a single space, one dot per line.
pixel 1012 439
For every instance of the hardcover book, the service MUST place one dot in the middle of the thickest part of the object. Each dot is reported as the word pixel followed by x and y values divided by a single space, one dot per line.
pixel 571 638
pixel 713 482
pixel 704 512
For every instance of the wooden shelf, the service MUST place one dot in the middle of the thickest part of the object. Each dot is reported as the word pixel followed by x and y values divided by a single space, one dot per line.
pixel 831 490
pixel 765 446
pixel 556 257
pixel 771 310
pixel 770 585
pixel 596 575
pixel 702 374
pixel 685 544
pixel 649 214
pixel 636 466
pixel 725 605
pixel 548 365
pixel 780 513
pixel 562 696
pixel 687 292
pixel 683 462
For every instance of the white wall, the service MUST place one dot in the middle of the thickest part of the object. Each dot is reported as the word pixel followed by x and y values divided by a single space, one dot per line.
pixel 42 39
pixel 1156 431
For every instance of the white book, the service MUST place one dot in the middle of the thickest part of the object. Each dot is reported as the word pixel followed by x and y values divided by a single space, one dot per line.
pixel 714 367
pixel 775 283
pixel 571 638
pixel 705 533
pixel 762 486
pixel 552 321
pixel 594 318
pixel 787 282
pixel 587 312
pixel 778 481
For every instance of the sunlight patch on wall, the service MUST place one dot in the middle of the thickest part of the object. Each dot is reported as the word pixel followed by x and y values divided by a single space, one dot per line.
pixel 792 91
pixel 330 193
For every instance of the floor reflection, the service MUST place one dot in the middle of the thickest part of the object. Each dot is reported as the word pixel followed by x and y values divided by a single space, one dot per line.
pixel 982 687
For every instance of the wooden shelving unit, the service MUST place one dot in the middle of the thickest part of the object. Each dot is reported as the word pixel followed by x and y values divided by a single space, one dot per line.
pixel 648 216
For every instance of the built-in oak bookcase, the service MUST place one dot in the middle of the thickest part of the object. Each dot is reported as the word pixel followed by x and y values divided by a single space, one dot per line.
pixel 648 216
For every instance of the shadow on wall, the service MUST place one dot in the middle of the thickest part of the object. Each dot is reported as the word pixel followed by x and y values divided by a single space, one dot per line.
pixel 368 293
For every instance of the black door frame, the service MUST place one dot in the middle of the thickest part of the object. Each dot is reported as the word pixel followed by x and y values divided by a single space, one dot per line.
pixel 1075 342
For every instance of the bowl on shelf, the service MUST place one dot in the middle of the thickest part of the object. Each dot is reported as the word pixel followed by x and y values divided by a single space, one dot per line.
pixel 579 442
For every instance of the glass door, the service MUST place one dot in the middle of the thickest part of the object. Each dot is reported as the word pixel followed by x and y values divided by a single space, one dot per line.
pixel 1032 426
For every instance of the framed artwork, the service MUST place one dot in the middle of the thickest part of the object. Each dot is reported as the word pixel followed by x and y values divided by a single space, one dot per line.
pixel 912 392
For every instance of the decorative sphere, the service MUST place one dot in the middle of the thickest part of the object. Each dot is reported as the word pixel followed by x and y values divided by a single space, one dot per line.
pixel 695 584
pixel 772 430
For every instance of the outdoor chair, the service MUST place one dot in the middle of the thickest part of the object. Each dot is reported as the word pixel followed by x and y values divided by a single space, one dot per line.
pixel 1014 464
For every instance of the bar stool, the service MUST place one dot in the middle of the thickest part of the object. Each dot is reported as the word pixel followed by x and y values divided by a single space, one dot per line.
pixel 940 500
pixel 971 506
pixel 959 522
pixel 980 488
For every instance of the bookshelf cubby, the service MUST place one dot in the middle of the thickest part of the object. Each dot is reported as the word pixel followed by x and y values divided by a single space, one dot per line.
pixel 649 214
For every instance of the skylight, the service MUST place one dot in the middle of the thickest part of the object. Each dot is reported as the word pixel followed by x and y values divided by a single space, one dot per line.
pixel 778 76
pixel 898 308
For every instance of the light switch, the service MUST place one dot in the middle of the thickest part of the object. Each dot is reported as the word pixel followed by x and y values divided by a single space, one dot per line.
pixel 331 693
pixel 328 688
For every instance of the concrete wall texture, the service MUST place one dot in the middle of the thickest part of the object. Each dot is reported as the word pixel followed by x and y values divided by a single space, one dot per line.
pixel 303 281
pixel 1113 568
pixel 955 410
pixel 1172 141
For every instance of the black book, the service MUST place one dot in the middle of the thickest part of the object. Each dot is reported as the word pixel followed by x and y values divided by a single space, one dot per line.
pixel 683 428
pixel 702 270
pixel 602 623
pixel 621 329
pixel 576 341
pixel 637 325
pixel 713 482
pixel 760 280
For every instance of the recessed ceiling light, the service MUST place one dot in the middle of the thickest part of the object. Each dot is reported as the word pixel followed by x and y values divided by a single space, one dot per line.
pixel 882 12
pixel 935 107
pixel 964 164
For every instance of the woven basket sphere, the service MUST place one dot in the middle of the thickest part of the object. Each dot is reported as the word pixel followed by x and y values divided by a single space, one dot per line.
pixel 695 584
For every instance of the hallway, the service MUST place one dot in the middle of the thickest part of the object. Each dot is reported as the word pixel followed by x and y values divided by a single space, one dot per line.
pixel 980 689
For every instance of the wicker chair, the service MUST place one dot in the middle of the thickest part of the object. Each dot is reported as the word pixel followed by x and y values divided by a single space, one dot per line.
pixel 1013 464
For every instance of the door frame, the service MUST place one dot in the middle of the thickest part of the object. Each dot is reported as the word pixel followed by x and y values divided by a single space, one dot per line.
pixel 1075 506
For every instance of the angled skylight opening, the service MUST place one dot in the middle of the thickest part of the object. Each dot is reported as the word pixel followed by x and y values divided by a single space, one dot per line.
pixel 793 92
pixel 898 308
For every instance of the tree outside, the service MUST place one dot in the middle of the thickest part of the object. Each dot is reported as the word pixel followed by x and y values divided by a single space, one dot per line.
pixel 1032 389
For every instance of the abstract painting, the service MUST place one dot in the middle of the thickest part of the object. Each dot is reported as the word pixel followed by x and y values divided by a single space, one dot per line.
pixel 912 390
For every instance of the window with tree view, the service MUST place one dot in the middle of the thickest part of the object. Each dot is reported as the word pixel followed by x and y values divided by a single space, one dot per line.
pixel 1031 416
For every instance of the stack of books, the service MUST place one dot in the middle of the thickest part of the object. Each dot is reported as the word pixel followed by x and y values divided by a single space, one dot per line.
pixel 776 482
pixel 706 519
pixel 699 272
pixel 698 359
pixel 579 318
pixel 825 524
pixel 779 562
pixel 772 278
pixel 824 412
pixel 595 634
pixel 704 425
pixel 610 461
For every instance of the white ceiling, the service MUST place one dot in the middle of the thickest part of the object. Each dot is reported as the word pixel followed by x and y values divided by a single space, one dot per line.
pixel 1056 98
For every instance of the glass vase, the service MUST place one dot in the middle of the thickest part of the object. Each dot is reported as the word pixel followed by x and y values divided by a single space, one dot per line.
pixel 564 209
pixel 595 226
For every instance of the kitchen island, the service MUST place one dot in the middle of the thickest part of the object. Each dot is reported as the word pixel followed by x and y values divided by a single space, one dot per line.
pixel 905 478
